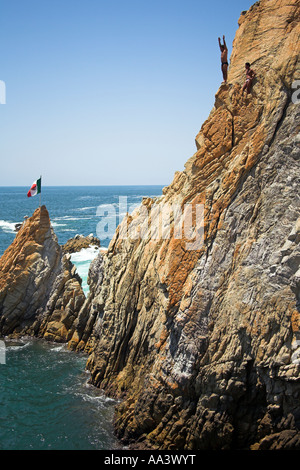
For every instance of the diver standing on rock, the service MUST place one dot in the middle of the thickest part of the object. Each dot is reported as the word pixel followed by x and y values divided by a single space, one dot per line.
pixel 224 58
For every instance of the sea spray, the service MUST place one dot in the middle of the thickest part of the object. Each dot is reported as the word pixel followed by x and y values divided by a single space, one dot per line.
pixel 82 260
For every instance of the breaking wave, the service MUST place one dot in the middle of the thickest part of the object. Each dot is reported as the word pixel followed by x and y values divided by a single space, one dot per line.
pixel 8 227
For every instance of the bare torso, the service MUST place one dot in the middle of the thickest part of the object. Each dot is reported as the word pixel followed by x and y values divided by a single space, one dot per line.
pixel 224 56
pixel 250 74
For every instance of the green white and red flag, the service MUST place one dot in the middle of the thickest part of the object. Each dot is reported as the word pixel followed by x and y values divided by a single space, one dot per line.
pixel 36 188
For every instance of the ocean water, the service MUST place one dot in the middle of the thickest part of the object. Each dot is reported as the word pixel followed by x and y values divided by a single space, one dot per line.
pixel 45 399
pixel 46 402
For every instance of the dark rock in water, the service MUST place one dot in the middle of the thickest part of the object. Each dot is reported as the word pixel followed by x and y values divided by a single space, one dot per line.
pixel 79 242
pixel 17 227
pixel 14 343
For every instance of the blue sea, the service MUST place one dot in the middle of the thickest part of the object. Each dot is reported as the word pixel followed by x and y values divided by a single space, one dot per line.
pixel 45 399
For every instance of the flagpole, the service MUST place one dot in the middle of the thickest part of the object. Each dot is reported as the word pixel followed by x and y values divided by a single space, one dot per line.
pixel 41 193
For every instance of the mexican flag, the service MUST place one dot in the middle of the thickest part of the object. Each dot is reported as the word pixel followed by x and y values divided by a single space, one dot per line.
pixel 36 188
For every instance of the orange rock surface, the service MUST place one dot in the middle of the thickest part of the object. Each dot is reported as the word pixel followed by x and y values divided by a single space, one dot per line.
pixel 40 293
pixel 202 343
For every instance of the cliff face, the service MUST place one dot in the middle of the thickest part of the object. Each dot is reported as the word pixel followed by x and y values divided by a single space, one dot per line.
pixel 40 293
pixel 203 344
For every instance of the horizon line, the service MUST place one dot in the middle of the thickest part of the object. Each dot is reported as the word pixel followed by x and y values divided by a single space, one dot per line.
pixel 80 185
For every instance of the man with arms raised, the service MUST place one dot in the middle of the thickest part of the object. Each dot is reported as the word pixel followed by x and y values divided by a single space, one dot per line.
pixel 224 58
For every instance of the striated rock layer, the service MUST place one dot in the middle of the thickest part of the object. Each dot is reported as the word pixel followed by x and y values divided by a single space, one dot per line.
pixel 203 344
pixel 40 292
pixel 200 340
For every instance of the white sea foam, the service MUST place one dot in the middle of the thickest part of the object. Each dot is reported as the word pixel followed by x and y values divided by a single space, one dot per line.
pixel 16 347
pixel 85 208
pixel 85 255
pixel 100 400
pixel 107 206
pixel 8 227
pixel 71 218
pixel 56 224
pixel 58 348
pixel 82 261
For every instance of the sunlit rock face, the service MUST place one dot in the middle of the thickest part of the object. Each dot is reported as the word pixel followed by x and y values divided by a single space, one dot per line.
pixel 203 345
pixel 40 292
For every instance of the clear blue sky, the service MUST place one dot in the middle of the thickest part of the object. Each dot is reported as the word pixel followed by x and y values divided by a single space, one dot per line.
pixel 107 91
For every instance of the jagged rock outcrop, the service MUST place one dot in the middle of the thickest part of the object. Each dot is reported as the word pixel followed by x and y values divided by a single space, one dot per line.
pixel 40 291
pixel 204 344
pixel 79 242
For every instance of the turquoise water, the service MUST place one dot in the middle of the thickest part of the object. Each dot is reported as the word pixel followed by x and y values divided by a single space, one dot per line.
pixel 45 400
pixel 46 403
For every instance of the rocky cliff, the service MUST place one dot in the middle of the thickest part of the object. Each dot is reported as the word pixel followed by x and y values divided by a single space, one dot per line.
pixel 40 292
pixel 200 340
pixel 203 344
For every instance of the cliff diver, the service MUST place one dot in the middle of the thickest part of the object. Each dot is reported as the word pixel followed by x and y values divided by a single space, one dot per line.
pixel 250 74
pixel 224 59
